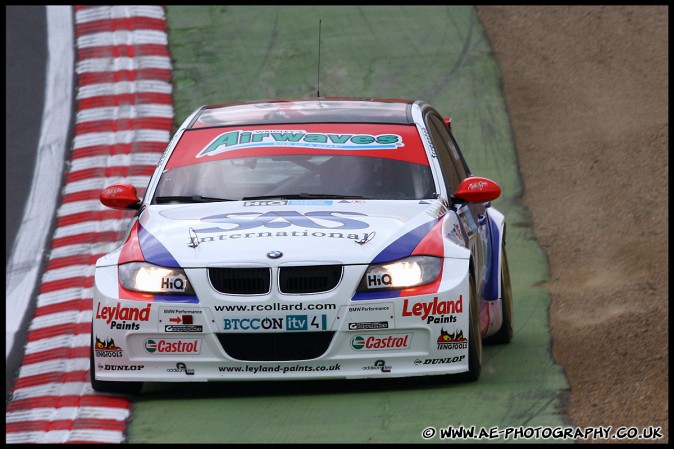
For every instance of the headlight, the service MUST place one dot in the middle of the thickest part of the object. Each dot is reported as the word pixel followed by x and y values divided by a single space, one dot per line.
pixel 147 278
pixel 403 273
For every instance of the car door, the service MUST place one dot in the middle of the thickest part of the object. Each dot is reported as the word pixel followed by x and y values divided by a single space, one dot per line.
pixel 473 217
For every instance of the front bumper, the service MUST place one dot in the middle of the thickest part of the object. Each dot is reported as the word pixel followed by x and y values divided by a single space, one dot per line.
pixel 281 337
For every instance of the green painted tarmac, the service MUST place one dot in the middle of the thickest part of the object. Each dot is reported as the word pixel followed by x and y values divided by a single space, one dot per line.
pixel 435 53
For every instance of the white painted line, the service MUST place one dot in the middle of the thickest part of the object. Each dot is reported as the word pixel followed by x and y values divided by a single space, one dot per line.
pixel 112 138
pixel 67 413
pixel 64 436
pixel 124 87
pixel 76 207
pixel 54 389
pixel 67 294
pixel 28 250
pixel 55 319
pixel 72 271
pixel 55 366
pixel 127 111
pixel 118 12
pixel 85 249
pixel 89 227
pixel 114 413
pixel 97 65
pixel 101 183
pixel 117 160
pixel 60 341
pixel 122 37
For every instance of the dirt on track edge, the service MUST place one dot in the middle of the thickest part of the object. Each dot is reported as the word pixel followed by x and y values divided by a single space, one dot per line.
pixel 586 89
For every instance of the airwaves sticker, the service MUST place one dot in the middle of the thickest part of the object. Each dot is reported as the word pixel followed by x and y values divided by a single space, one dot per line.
pixel 237 140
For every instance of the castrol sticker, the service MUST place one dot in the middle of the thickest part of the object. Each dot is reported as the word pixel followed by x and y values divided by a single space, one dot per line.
pixel 172 346
pixel 365 342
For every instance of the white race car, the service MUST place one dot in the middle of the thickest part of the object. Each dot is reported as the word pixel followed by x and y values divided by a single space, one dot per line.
pixel 332 238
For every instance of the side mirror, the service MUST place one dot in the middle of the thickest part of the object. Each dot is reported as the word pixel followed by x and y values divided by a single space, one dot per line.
pixel 120 196
pixel 476 190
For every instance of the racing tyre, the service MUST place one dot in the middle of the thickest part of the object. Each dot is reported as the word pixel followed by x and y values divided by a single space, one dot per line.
pixel 103 386
pixel 505 333
pixel 474 339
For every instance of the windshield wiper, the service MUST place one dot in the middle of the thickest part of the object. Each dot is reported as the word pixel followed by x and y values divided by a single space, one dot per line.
pixel 188 199
pixel 303 196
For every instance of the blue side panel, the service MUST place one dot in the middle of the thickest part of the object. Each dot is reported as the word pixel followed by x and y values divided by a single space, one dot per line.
pixel 153 251
pixel 385 294
pixel 404 245
pixel 493 277
pixel 177 298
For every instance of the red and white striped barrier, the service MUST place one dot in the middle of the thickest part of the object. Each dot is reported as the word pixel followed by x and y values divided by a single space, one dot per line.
pixel 123 124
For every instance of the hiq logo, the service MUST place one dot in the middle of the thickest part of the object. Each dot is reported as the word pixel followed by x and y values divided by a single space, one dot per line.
pixel 379 280
pixel 173 283
pixel 283 219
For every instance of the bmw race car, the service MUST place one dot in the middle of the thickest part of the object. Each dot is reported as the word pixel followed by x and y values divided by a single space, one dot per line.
pixel 331 238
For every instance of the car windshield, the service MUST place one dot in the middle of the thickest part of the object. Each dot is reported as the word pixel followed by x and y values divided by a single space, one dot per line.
pixel 296 176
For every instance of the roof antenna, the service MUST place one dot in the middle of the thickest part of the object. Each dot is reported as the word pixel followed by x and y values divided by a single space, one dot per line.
pixel 318 84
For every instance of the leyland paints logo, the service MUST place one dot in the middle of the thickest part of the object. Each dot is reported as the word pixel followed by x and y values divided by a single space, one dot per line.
pixel 118 316
pixel 236 140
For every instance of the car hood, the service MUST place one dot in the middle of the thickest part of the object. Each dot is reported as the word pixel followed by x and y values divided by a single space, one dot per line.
pixel 278 232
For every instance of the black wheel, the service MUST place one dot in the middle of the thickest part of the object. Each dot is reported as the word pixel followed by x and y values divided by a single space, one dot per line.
pixel 103 386
pixel 474 339
pixel 505 333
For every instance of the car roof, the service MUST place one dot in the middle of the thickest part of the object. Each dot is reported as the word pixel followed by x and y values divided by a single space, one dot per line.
pixel 305 110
